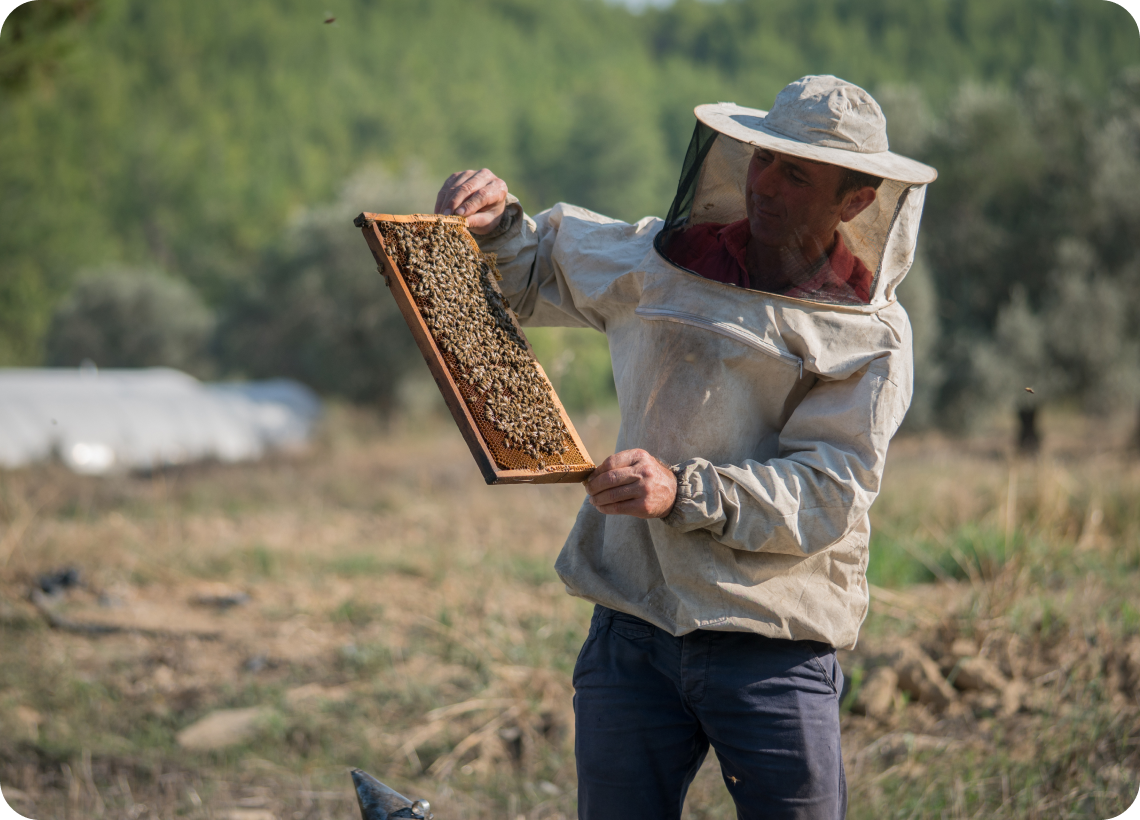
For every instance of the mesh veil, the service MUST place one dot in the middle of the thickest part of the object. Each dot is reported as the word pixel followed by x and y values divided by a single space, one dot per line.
pixel 712 190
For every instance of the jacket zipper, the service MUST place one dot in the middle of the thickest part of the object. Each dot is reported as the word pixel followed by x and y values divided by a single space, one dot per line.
pixel 728 329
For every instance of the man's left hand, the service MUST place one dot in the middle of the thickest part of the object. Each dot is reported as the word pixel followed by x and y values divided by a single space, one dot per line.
pixel 632 482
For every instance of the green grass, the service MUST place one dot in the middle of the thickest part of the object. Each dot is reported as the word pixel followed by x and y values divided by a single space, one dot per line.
pixel 1069 773
pixel 406 596
pixel 357 613
pixel 530 570
pixel 370 565
pixel 968 552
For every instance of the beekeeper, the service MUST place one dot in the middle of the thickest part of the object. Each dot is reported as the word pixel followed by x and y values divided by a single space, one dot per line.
pixel 762 364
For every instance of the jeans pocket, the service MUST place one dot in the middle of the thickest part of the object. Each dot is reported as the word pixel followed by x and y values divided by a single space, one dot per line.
pixel 591 638
pixel 596 618
pixel 630 627
pixel 821 667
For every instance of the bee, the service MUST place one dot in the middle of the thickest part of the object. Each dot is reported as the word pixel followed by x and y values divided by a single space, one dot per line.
pixel 469 320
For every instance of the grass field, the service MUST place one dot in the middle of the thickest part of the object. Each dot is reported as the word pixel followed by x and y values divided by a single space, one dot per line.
pixel 372 604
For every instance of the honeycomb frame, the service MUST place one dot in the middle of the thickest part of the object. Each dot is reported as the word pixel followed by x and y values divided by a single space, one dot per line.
pixel 498 463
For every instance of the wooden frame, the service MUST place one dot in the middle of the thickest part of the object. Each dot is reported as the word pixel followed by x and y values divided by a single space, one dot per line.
pixel 484 458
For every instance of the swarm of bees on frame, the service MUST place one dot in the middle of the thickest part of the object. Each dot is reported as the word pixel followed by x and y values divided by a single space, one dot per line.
pixel 452 287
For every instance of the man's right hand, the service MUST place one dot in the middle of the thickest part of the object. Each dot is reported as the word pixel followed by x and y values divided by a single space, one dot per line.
pixel 478 195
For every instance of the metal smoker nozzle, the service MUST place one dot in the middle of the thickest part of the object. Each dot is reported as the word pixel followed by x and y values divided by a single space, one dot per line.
pixel 378 802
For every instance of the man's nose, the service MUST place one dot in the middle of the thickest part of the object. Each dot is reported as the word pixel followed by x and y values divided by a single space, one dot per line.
pixel 764 182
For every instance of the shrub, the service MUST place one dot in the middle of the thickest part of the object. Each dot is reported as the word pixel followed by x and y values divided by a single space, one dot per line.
pixel 317 310
pixel 130 318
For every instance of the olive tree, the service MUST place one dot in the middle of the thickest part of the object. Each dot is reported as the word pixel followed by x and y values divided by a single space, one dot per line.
pixel 122 317
pixel 316 309
pixel 1030 232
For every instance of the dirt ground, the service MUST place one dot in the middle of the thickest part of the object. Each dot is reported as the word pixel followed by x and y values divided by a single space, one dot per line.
pixel 234 638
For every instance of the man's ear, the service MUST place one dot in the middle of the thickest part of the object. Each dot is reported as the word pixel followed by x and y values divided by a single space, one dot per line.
pixel 857 202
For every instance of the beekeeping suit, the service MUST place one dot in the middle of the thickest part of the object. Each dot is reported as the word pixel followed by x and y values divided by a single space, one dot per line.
pixel 774 410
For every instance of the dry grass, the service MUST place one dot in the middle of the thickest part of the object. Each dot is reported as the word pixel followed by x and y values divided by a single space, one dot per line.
pixel 404 618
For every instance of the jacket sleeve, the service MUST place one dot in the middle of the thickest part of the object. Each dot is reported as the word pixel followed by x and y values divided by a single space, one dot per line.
pixel 822 482
pixel 561 268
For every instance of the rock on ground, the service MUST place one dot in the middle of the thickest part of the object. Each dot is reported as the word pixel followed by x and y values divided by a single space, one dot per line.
pixel 920 677
pixel 222 728
pixel 876 696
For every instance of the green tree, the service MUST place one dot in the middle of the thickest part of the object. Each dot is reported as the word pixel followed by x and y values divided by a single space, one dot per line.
pixel 318 311
pixel 187 136
pixel 917 294
pixel 131 318
pixel 1029 232
pixel 36 36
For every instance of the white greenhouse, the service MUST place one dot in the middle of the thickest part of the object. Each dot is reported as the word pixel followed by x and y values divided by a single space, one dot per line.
pixel 99 421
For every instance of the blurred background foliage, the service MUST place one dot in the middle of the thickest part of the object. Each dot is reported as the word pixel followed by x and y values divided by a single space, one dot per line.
pixel 130 318
pixel 226 146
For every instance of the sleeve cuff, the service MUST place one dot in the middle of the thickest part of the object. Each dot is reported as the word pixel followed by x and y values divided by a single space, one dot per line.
pixel 511 215
pixel 688 511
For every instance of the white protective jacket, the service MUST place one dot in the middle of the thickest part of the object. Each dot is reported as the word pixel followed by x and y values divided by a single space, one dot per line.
pixel 776 411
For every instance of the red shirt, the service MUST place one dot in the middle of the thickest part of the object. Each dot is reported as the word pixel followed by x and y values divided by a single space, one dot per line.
pixel 717 252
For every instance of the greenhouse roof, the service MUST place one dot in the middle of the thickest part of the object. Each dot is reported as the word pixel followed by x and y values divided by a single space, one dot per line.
pixel 100 421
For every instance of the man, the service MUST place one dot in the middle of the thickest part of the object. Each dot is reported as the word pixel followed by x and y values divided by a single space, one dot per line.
pixel 762 365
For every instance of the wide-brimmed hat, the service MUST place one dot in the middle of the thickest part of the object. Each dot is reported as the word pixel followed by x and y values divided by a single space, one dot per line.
pixel 820 118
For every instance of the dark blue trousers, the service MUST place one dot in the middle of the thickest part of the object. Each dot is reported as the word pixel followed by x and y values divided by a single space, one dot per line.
pixel 647 705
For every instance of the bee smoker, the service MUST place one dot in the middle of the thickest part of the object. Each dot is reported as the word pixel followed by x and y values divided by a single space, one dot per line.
pixel 378 802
